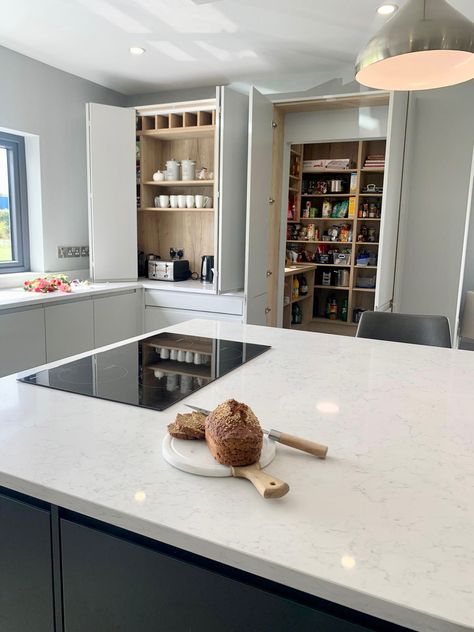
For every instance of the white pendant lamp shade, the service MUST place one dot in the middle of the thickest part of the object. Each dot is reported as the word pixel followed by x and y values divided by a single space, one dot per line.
pixel 427 44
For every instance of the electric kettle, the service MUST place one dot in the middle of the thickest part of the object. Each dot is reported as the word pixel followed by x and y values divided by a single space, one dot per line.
pixel 207 269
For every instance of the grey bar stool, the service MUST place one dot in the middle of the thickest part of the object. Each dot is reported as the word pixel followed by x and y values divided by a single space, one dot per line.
pixel 417 330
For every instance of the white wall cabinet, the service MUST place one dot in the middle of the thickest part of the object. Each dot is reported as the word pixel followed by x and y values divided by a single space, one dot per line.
pixel 69 328
pixel 22 340
pixel 117 317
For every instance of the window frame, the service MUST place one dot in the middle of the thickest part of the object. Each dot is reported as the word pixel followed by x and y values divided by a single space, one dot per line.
pixel 18 200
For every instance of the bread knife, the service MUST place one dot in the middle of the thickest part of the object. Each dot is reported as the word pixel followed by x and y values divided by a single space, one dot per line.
pixel 316 449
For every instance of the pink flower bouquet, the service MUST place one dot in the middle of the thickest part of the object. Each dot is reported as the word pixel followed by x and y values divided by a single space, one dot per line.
pixel 49 283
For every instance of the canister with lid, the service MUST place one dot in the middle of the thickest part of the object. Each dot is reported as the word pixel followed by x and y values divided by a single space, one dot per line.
pixel 188 169
pixel 172 170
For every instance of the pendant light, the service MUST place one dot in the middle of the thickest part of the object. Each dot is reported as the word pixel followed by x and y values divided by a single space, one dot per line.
pixel 427 44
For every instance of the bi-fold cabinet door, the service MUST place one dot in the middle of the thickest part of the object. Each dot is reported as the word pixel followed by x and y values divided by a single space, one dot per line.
pixel 111 177
pixel 259 183
pixel 389 233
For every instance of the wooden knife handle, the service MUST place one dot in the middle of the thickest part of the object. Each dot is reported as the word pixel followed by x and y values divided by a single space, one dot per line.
pixel 316 449
pixel 268 486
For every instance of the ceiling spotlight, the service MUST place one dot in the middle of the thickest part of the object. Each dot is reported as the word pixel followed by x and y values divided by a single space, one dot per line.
pixel 136 50
pixel 387 9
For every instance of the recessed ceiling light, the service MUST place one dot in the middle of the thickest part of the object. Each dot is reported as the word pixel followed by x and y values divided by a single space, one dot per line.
pixel 387 9
pixel 136 50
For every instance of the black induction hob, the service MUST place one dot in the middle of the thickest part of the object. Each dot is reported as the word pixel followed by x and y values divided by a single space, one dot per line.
pixel 155 372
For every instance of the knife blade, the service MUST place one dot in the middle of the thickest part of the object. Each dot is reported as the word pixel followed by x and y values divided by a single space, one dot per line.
pixel 311 447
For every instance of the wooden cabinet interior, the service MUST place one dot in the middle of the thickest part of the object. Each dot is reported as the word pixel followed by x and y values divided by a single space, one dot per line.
pixel 363 218
pixel 184 135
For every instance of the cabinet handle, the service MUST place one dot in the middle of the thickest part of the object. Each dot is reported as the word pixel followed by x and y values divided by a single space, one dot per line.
pixel 268 310
pixel 271 201
pixel 269 273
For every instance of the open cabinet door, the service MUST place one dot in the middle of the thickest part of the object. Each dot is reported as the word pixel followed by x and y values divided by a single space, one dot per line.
pixel 259 182
pixel 233 122
pixel 111 176
pixel 394 160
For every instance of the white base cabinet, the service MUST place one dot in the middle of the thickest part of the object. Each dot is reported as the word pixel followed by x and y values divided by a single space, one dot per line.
pixel 163 309
pixel 22 340
pixel 31 336
pixel 69 329
pixel 117 317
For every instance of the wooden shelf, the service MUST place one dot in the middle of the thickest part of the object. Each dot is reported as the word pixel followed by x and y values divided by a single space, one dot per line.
pixel 322 170
pixel 294 177
pixel 305 241
pixel 177 133
pixel 293 189
pixel 372 169
pixel 182 368
pixel 180 183
pixel 363 289
pixel 365 267
pixel 179 210
pixel 368 219
pixel 332 265
pixel 332 287
pixel 370 194
pixel 328 195
pixel 301 298
pixel 333 322
pixel 324 219
pixel 366 243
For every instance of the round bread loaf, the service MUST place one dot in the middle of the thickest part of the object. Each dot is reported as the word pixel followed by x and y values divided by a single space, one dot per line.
pixel 233 434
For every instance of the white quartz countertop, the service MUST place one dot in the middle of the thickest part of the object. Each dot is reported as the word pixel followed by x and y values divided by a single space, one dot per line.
pixel 384 525
pixel 17 297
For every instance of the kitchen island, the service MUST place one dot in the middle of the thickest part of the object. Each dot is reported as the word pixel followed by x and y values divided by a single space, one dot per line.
pixel 382 528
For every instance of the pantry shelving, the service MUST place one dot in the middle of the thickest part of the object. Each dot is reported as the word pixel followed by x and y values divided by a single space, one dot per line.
pixel 341 290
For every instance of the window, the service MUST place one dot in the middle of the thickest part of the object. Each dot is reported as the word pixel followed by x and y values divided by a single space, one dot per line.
pixel 14 243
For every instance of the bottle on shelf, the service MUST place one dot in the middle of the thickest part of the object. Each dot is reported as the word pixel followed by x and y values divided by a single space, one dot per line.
pixel 303 286
pixel 296 315
pixel 344 310
pixel 331 307
pixel 296 288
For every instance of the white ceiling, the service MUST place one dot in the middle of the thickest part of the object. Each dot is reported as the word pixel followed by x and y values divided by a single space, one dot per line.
pixel 193 42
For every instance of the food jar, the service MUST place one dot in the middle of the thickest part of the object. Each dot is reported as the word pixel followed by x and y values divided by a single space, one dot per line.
pixel 172 170
pixel 188 169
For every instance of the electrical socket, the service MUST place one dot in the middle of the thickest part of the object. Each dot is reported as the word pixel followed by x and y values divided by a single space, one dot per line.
pixel 67 252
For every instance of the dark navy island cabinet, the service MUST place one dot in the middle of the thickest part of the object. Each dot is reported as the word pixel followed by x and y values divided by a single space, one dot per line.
pixel 63 572
pixel 26 570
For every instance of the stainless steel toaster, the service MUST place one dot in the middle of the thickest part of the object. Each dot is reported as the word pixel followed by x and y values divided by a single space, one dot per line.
pixel 177 270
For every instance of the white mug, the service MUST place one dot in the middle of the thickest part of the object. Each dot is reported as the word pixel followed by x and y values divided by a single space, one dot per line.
pixel 190 201
pixel 181 201
pixel 189 357
pixel 157 201
pixel 181 355
pixel 197 358
pixel 171 382
pixel 164 201
pixel 165 354
pixel 173 354
pixel 202 201
pixel 174 201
